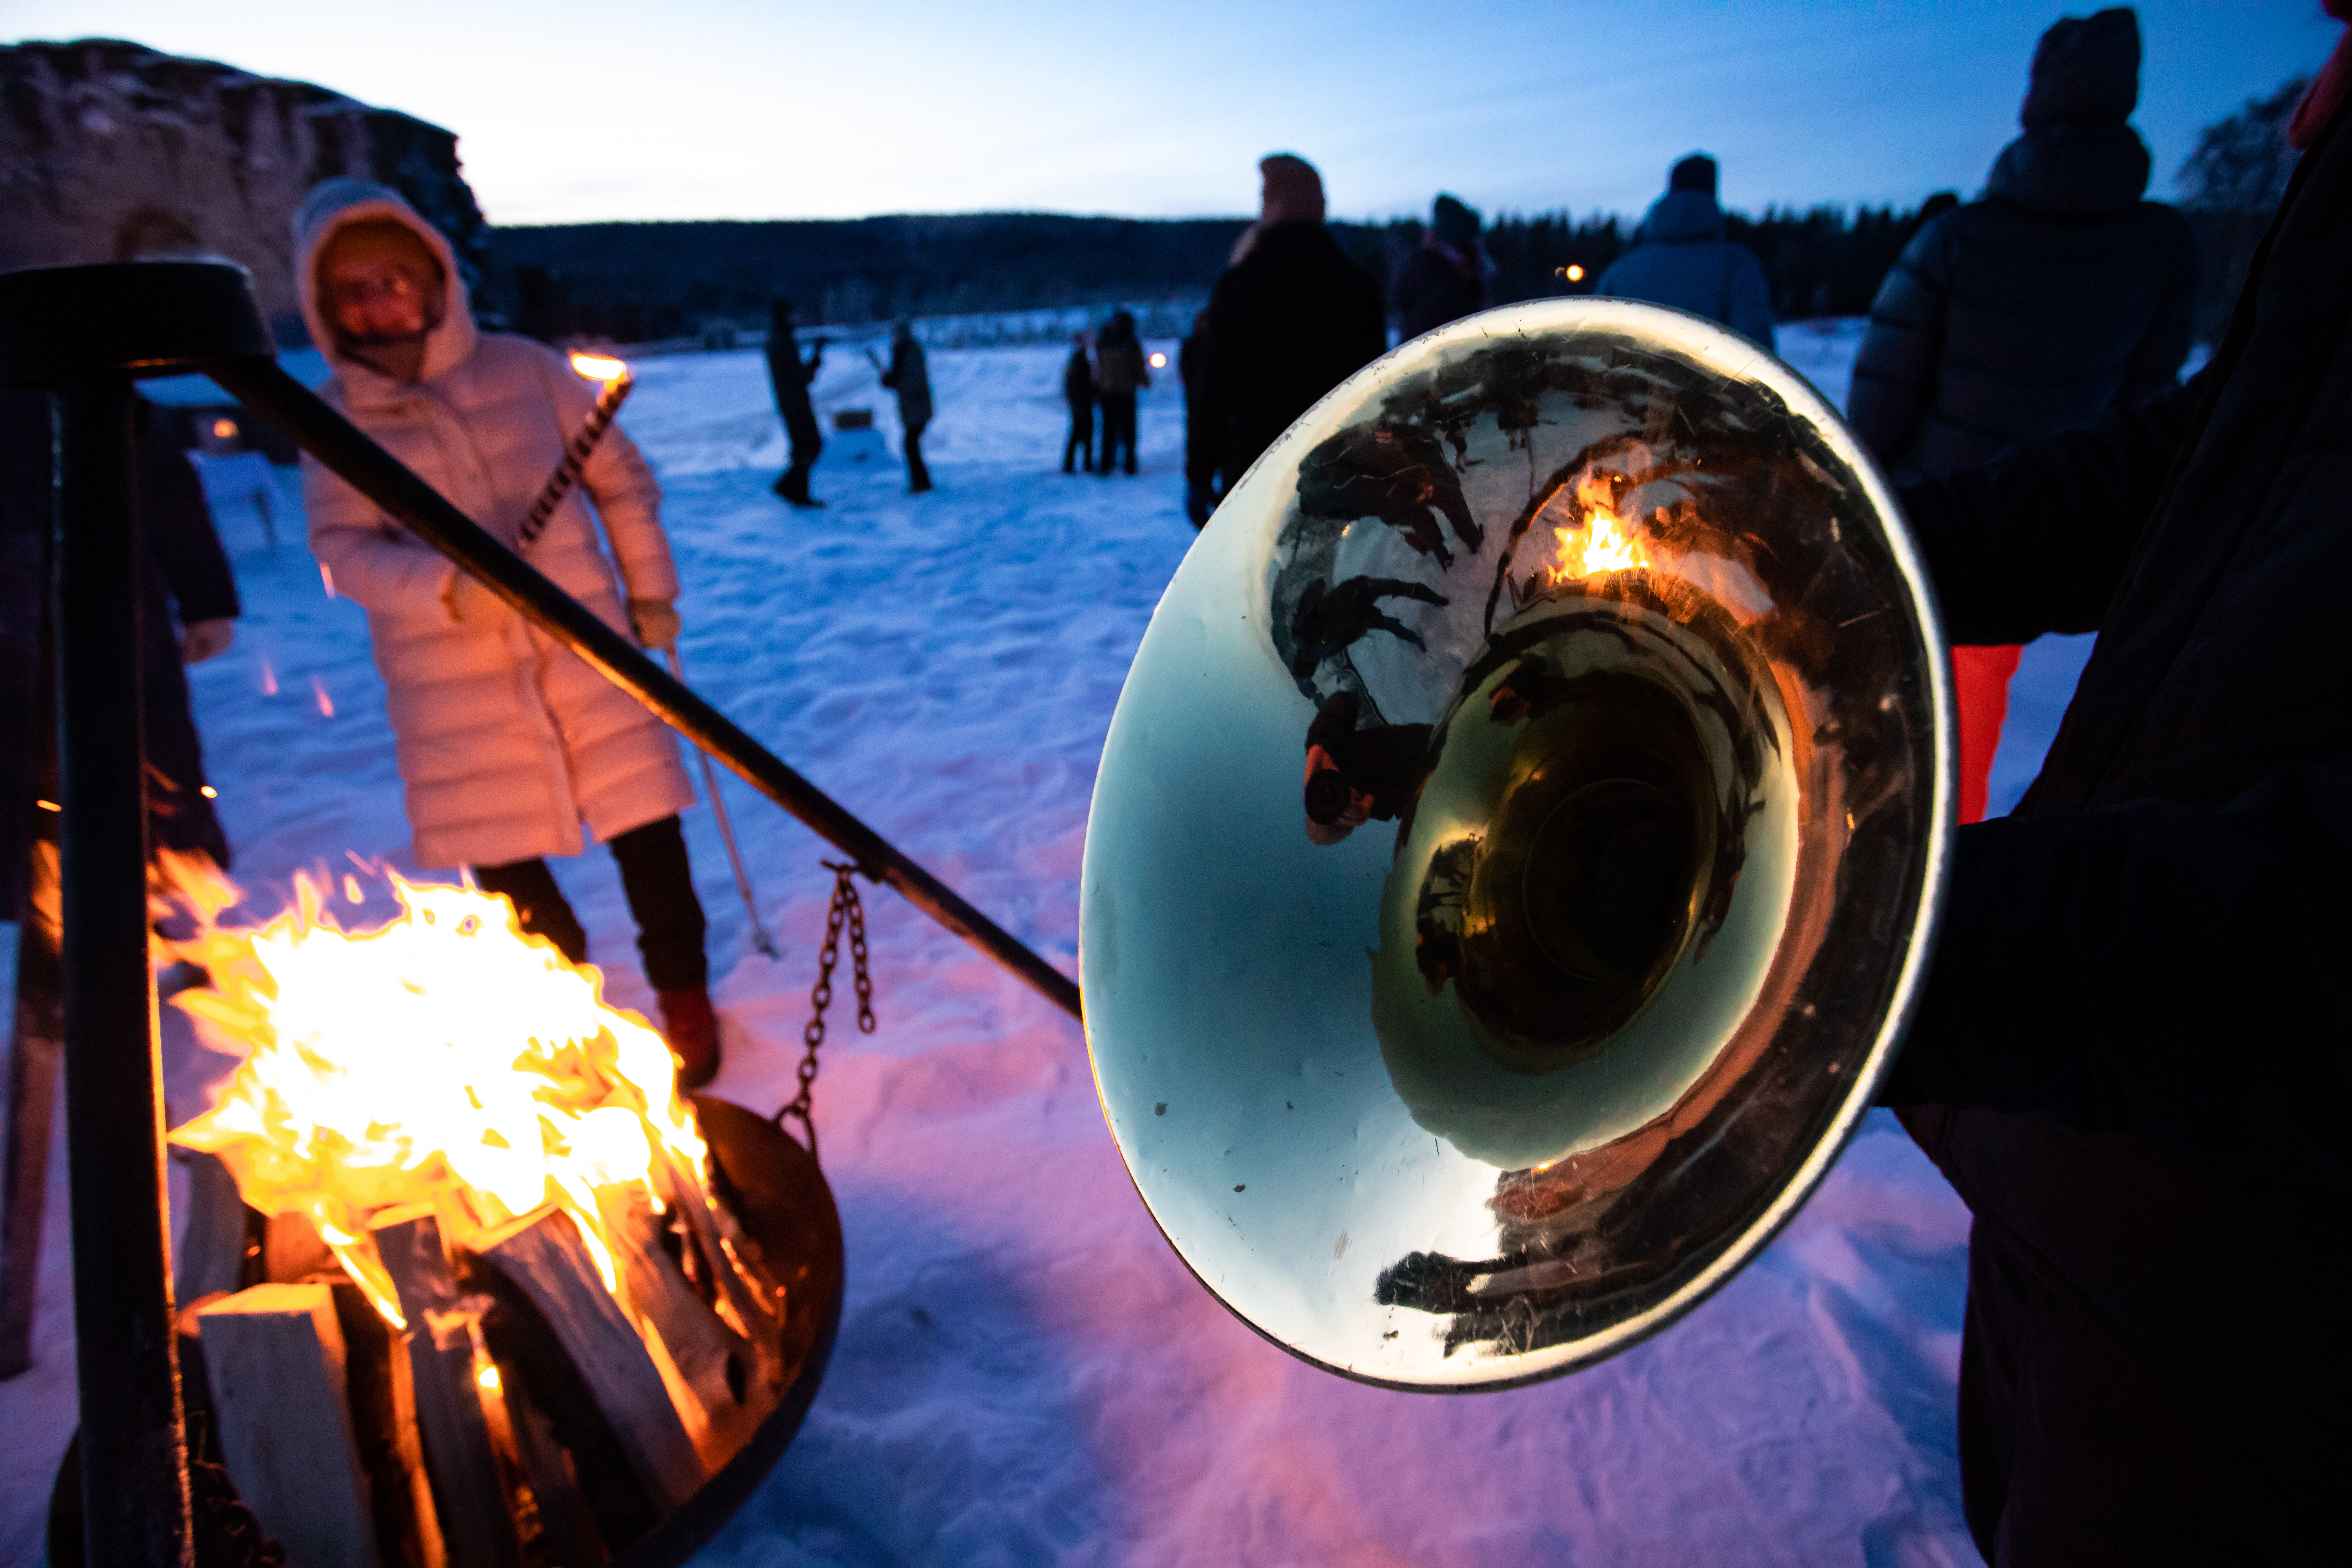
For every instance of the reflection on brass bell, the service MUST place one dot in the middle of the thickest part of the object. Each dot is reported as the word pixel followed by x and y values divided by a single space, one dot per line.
pixel 1514 855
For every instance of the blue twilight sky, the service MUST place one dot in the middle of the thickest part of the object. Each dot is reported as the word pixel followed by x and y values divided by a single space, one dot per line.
pixel 629 108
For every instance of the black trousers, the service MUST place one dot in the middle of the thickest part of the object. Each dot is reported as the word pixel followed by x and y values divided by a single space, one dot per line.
pixel 918 477
pixel 1119 428
pixel 1081 442
pixel 660 885
pixel 807 443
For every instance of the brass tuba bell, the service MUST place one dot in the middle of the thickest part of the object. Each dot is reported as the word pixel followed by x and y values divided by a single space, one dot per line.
pixel 1518 844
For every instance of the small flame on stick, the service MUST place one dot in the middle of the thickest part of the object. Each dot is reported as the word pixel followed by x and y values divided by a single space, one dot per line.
pixel 599 367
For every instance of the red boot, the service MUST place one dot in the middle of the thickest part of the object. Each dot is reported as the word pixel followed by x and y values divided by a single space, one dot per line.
pixel 692 1030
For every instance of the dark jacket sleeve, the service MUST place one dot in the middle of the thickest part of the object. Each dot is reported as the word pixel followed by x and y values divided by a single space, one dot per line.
pixel 1221 350
pixel 2156 359
pixel 1894 373
pixel 2037 541
pixel 175 524
pixel 2155 969
pixel 1751 302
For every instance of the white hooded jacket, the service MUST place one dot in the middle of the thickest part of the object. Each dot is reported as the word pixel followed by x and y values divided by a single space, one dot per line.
pixel 507 742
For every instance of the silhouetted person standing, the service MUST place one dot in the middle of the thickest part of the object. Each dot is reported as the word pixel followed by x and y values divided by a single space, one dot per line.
pixel 911 379
pixel 791 378
pixel 1680 258
pixel 2058 296
pixel 1119 373
pixel 1078 392
pixel 1444 279
pixel 1200 446
pixel 1291 318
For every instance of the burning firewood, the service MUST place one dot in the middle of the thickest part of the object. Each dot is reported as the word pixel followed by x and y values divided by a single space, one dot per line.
pixel 274 1356
pixel 444 1112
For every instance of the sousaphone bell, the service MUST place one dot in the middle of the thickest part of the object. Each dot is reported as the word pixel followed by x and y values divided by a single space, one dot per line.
pixel 1517 845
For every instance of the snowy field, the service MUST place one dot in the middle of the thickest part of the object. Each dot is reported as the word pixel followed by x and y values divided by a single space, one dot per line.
pixel 1025 1373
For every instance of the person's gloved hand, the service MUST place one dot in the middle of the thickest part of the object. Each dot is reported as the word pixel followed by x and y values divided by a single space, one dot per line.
pixel 1198 503
pixel 656 621
pixel 206 639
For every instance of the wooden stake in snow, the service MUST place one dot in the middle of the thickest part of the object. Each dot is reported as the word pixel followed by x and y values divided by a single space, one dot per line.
pixel 273 1355
pixel 544 1254
pixel 468 1498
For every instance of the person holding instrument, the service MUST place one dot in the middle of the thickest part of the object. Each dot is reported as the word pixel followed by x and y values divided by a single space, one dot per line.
pixel 508 743
pixel 2128 1055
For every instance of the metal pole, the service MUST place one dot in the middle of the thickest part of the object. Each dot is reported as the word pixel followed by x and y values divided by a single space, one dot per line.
pixel 133 1443
pixel 318 429
pixel 760 937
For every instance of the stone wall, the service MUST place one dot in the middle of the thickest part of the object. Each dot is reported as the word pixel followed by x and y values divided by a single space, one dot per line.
pixel 110 151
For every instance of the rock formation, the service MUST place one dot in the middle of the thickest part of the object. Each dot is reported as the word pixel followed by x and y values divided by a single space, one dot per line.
pixel 110 152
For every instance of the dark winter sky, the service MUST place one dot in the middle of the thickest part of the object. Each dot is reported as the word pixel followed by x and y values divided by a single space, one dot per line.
pixel 631 108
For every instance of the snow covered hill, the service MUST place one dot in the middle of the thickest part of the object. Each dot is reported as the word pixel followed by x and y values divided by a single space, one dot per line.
pixel 1025 1372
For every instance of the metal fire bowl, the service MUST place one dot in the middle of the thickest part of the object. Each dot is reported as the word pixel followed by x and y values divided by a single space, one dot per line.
pixel 781 1197
pixel 783 1201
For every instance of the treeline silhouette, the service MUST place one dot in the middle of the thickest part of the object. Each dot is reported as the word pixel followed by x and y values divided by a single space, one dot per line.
pixel 638 282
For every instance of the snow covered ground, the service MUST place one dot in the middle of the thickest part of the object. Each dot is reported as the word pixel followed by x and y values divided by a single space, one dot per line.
pixel 1025 1373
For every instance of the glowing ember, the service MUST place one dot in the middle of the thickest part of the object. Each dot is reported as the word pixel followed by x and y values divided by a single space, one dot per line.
pixel 444 1062
pixel 1593 540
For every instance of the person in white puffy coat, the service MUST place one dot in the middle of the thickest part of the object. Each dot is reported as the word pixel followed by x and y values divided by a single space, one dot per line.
pixel 508 745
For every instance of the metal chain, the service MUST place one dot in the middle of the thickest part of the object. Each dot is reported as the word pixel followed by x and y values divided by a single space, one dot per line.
pixel 847 910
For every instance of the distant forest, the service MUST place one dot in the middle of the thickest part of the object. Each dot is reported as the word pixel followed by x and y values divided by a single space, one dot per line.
pixel 639 282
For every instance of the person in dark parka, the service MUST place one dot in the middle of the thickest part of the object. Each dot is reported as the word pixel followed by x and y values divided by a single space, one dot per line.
pixel 1078 392
pixel 1680 258
pixel 2129 1055
pixel 910 378
pixel 2055 296
pixel 1199 447
pixel 790 377
pixel 1290 318
pixel 1444 279
pixel 187 613
pixel 1119 374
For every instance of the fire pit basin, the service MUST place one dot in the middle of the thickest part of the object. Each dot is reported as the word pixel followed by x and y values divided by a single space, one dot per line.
pixel 781 1197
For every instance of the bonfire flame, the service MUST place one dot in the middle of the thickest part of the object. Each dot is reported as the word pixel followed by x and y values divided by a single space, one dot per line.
pixel 1593 540
pixel 444 1062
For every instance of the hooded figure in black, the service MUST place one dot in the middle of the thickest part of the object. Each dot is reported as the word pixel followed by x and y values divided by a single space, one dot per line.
pixel 1681 258
pixel 2056 296
pixel 1444 279
pixel 2130 1054
pixel 790 378
pixel 1291 318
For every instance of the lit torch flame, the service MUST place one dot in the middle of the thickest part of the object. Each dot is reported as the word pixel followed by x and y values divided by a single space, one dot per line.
pixel 1596 542
pixel 444 1062
pixel 599 367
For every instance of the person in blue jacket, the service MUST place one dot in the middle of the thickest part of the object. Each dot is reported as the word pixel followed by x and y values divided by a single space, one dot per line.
pixel 1681 258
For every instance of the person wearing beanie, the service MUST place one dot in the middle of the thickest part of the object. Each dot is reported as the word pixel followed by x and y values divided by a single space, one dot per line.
pixel 508 743
pixel 1445 278
pixel 2057 295
pixel 790 376
pixel 1680 258
pixel 1289 319
pixel 2127 1048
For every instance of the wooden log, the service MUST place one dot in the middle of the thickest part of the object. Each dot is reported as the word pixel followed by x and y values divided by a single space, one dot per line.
pixel 292 1250
pixel 217 1238
pixel 542 1253
pixel 711 1368
pixel 469 1499
pixel 274 1357
pixel 37 1037
pixel 383 1401
pixel 558 1528
pixel 757 1302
